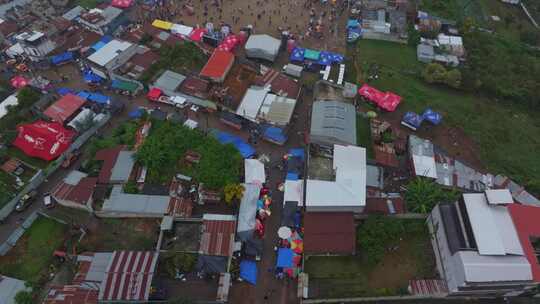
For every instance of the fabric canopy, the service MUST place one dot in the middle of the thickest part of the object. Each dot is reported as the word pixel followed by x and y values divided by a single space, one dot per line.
pixel 62 58
pixel 432 116
pixel 154 94
pixel 312 54
pixel 43 139
pixel 245 149
pixel 275 135
pixel 64 91
pixel 229 43
pixel 248 211
pixel 297 152
pixel 288 214
pixel 284 258
pixel 412 120
pixel 297 54
pixel 121 3
pixel 182 30
pixel 325 58
pixel 19 82
pixel 160 24
pixel 197 34
pixel 91 77
pixel 387 101
pixel 254 171
pixel 124 85
pixel 248 271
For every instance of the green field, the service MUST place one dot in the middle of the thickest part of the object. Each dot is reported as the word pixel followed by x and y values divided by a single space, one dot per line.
pixel 30 258
pixel 355 276
pixel 7 189
pixel 508 136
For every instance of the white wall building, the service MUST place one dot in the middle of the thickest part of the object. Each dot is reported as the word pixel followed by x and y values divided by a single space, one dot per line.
pixel 35 45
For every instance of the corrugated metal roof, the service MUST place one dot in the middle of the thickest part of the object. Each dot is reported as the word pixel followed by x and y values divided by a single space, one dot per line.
pixel 9 287
pixel 169 81
pixel 277 109
pixel 329 232
pixel 423 157
pixel 136 203
pixel 333 122
pixel 129 276
pixel 108 52
pixel 71 294
pixel 217 235
pixel 108 156
pixel 123 166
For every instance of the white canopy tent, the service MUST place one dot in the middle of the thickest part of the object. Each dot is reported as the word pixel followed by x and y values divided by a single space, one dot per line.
pixel 254 171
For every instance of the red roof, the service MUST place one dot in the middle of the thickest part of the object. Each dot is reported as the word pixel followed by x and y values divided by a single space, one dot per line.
pixel 218 235
pixel 279 83
pixel 379 205
pixel 387 101
pixel 71 294
pixel 218 65
pixel 64 108
pixel 108 156
pixel 329 232
pixel 195 86
pixel 43 139
pixel 144 60
pixel 11 165
pixel 128 276
pixel 154 94
pixel 80 193
pixel 525 220
pixel 180 207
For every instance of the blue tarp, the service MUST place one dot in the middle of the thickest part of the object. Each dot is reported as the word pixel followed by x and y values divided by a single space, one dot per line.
pixel 284 258
pixel 354 34
pixel 245 149
pixel 137 113
pixel 325 58
pixel 432 116
pixel 353 23
pixel 84 95
pixel 297 152
pixel 336 58
pixel 275 135
pixel 412 120
pixel 98 98
pixel 297 54
pixel 64 91
pixel 98 45
pixel 292 176
pixel 89 76
pixel 248 271
pixel 62 58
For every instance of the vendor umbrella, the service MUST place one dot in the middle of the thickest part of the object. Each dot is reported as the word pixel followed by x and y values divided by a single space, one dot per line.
pixel 297 246
pixel 19 82
pixel 284 232
pixel 297 259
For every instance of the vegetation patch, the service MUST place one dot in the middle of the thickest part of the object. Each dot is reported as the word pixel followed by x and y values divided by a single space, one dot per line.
pixel 29 260
pixel 390 253
pixel 363 135
pixel 164 150
pixel 181 58
pixel 506 133
pixel 423 194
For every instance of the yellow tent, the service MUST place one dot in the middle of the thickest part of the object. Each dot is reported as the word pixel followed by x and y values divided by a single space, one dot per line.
pixel 160 24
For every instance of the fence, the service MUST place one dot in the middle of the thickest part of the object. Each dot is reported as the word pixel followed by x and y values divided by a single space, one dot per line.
pixel 43 174
pixel 17 234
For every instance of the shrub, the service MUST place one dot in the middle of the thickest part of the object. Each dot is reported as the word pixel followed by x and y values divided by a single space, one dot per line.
pixel 233 193
pixel 423 194
pixel 376 234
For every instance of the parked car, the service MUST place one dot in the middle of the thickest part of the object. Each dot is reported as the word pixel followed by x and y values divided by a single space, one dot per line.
pixel 48 201
pixel 25 201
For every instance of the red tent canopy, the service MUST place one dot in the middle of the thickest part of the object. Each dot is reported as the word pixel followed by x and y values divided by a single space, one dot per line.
pixel 154 94
pixel 19 82
pixel 45 140
pixel 387 101
pixel 218 65
pixel 122 3
pixel 229 43
pixel 197 34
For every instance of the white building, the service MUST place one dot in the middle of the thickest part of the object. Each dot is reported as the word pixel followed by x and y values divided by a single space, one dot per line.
pixel 347 192
pixel 35 45
pixel 477 246
pixel 112 55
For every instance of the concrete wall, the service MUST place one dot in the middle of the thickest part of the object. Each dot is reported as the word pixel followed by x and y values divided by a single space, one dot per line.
pixel 448 266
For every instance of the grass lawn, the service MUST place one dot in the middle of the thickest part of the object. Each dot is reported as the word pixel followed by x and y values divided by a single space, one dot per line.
pixel 7 189
pixel 508 137
pixel 354 276
pixel 30 258
pixel 455 10
pixel 363 135
pixel 120 234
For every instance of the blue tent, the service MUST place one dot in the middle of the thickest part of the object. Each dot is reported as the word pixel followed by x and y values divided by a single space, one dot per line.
pixel 412 120
pixel 84 95
pixel 292 176
pixel 336 58
pixel 275 135
pixel 325 58
pixel 297 54
pixel 62 58
pixel 432 116
pixel 248 271
pixel 225 138
pixel 354 34
pixel 297 152
pixel 90 76
pixel 64 91
pixel 284 258
pixel 353 23
pixel 98 98
pixel 137 113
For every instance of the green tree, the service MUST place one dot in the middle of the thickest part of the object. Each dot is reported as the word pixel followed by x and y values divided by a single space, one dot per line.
pixel 434 73
pixel 423 194
pixel 453 78
pixel 27 96
pixel 233 193
pixel 531 37
pixel 413 36
pixel 376 234
pixel 180 262
pixel 24 297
